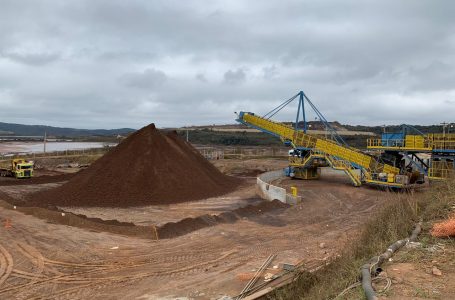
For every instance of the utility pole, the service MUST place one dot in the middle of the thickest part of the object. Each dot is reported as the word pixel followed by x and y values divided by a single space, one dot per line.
pixel 45 138
pixel 444 124
pixel 187 134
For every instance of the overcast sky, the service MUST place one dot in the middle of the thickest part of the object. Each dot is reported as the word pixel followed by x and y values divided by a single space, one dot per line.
pixel 109 64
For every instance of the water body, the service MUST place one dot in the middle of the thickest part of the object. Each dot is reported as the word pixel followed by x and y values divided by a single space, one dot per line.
pixel 38 147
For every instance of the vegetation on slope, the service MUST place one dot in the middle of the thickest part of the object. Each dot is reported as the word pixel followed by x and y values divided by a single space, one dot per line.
pixel 393 222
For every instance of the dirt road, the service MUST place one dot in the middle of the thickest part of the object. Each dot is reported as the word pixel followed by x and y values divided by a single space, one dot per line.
pixel 50 261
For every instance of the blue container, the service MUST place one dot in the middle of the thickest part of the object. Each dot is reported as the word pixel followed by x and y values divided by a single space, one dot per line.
pixel 395 139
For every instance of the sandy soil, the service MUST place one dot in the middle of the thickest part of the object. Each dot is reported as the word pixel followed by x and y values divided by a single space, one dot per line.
pixel 42 260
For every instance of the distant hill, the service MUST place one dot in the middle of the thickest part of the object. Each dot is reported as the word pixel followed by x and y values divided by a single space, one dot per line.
pixel 238 134
pixel 19 129
pixel 318 126
pixel 396 128
pixel 315 125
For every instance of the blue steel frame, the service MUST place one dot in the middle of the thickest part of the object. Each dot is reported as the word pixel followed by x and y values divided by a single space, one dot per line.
pixel 301 108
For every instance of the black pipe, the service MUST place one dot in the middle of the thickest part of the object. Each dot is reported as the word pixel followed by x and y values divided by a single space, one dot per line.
pixel 371 266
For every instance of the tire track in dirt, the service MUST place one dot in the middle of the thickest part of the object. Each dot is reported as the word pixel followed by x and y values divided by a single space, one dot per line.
pixel 73 265
pixel 8 264
pixel 71 292
pixel 71 278
pixel 163 271
pixel 26 275
pixel 187 269
pixel 3 265
pixel 35 257
pixel 41 281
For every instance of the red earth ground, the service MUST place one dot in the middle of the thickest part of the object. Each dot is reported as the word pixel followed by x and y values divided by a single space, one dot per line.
pixel 41 260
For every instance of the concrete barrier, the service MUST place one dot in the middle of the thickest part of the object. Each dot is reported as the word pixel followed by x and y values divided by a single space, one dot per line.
pixel 270 192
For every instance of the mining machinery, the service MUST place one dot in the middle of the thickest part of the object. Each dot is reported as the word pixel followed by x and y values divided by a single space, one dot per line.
pixel 310 152
pixel 431 153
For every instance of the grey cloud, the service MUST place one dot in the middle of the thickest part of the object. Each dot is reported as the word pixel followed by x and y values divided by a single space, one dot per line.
pixel 149 78
pixel 201 77
pixel 436 75
pixel 235 77
pixel 117 63
pixel 270 72
pixel 127 55
pixel 36 59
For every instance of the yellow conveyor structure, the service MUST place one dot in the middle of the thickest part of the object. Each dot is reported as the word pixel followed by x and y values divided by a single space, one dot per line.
pixel 339 157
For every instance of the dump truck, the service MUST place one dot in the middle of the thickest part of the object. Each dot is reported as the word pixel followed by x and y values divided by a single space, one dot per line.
pixel 19 168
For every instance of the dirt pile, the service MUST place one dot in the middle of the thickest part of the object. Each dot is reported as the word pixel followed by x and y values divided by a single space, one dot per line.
pixel 187 225
pixel 149 167
pixel 256 212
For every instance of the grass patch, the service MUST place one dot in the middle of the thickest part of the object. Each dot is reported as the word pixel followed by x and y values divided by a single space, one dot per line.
pixel 393 222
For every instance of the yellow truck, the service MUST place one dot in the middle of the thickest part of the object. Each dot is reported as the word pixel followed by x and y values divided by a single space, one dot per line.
pixel 19 168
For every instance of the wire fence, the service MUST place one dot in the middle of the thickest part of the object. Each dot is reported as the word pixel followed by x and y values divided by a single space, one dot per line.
pixel 64 153
pixel 241 152
pixel 210 153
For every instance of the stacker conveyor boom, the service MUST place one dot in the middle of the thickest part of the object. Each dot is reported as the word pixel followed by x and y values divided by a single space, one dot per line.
pixel 360 167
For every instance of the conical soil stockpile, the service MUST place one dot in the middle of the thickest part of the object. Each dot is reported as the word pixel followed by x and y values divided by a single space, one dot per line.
pixel 147 168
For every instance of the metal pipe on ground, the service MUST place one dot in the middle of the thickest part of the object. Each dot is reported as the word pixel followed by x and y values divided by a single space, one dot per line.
pixel 255 278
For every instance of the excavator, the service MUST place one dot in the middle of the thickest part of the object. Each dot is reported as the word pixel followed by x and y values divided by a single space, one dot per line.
pixel 310 152
pixel 19 168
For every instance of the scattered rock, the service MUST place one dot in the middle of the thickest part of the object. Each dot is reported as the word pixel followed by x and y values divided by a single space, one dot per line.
pixel 268 276
pixel 436 271
pixel 322 245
